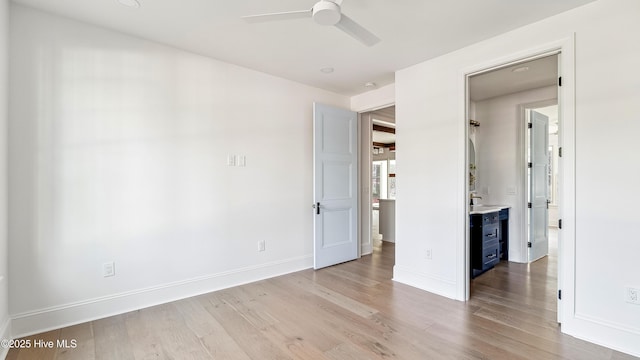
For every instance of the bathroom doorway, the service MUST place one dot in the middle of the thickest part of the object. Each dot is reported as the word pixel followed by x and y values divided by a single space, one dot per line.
pixel 500 104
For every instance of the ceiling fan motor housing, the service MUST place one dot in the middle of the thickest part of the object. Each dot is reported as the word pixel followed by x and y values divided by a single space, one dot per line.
pixel 326 13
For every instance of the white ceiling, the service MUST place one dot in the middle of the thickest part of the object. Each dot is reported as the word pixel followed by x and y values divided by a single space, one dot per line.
pixel 540 73
pixel 412 31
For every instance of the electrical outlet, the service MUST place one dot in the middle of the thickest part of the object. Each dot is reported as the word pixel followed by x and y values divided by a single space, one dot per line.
pixel 632 295
pixel 261 245
pixel 108 269
pixel 429 254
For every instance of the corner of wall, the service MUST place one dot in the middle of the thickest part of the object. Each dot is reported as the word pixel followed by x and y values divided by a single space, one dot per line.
pixel 5 334
pixel 5 319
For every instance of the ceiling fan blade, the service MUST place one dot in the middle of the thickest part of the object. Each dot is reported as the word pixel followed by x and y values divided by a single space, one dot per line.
pixel 356 31
pixel 278 16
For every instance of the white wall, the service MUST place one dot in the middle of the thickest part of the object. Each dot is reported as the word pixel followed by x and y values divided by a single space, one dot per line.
pixel 118 152
pixel 499 158
pixel 431 204
pixel 374 99
pixel 4 295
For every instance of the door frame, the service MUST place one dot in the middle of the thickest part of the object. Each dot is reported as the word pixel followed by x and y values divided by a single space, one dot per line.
pixel 566 187
pixel 364 187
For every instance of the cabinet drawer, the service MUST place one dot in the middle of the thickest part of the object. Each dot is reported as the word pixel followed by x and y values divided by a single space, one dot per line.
pixel 490 232
pixel 490 257
pixel 490 218
pixel 490 243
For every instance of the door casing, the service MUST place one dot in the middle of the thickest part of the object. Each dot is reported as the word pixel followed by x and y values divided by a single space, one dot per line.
pixel 566 186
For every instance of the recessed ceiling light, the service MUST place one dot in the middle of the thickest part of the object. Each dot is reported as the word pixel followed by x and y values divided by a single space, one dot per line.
pixel 520 69
pixel 370 85
pixel 327 70
pixel 129 3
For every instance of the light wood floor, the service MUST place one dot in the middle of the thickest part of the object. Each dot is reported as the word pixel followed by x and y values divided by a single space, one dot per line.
pixel 349 311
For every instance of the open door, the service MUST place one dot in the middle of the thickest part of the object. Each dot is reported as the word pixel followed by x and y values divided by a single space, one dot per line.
pixel 335 185
pixel 538 186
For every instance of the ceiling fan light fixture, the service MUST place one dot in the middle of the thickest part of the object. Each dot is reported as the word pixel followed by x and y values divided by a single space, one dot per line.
pixel 326 13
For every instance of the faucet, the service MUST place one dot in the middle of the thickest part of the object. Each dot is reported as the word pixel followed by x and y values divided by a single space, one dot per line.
pixel 473 196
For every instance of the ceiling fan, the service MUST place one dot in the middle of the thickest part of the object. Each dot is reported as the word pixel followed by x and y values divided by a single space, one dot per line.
pixel 324 12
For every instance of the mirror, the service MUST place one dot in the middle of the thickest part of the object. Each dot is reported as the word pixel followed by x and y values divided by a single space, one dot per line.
pixel 472 166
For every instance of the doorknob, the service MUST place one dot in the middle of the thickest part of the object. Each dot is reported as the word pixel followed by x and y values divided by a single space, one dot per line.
pixel 317 207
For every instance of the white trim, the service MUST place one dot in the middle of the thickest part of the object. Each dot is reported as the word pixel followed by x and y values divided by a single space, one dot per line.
pixel 617 337
pixel 5 333
pixel 611 324
pixel 55 317
pixel 433 284
pixel 364 184
pixel 566 137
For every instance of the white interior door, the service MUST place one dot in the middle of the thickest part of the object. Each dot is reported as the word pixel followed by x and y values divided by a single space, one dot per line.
pixel 538 186
pixel 335 185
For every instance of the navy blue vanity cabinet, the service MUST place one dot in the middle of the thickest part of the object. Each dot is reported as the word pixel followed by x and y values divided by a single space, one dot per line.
pixel 486 246
pixel 503 217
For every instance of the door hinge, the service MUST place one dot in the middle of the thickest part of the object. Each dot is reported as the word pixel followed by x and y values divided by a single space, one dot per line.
pixel 530 125
pixel 559 294
pixel 529 165
pixel 560 224
pixel 529 244
pixel 529 205
pixel 560 81
pixel 560 151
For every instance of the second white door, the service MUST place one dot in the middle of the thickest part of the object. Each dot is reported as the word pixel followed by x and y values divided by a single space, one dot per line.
pixel 335 182
pixel 538 186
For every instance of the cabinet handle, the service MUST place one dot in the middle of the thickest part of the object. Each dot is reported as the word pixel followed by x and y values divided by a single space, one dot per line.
pixel 492 256
pixel 492 235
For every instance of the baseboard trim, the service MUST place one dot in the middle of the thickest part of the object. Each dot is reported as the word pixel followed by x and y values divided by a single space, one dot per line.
pixel 430 283
pixel 5 333
pixel 34 322
pixel 605 333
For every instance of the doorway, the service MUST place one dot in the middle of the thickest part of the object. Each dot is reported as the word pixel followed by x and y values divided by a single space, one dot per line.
pixel 498 100
pixel 378 178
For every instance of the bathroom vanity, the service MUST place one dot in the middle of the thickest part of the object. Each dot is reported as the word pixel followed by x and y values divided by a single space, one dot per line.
pixel 489 236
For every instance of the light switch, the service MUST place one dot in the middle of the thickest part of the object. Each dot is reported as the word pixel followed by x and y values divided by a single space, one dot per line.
pixel 242 160
pixel 231 160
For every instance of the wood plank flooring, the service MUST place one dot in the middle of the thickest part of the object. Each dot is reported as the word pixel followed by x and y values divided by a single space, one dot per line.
pixel 349 311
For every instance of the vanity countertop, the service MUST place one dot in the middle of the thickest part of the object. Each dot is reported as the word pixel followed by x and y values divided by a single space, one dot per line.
pixel 485 209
